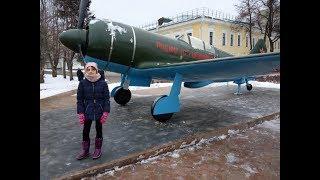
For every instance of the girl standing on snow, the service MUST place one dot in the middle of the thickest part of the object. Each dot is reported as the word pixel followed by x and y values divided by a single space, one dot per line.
pixel 92 105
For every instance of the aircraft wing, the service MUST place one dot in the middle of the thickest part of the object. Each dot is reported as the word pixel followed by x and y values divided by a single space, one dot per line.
pixel 218 69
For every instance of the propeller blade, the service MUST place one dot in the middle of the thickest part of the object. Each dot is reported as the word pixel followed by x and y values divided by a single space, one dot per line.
pixel 80 52
pixel 82 13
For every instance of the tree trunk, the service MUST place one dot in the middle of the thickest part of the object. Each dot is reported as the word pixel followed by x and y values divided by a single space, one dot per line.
pixel 41 75
pixel 54 71
pixel 64 68
pixel 265 33
pixel 250 37
pixel 250 30
pixel 271 44
pixel 69 64
pixel 64 64
pixel 270 23
pixel 70 70
pixel 42 64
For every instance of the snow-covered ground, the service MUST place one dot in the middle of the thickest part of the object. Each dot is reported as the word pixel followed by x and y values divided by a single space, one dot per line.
pixel 54 86
pixel 57 85
pixel 253 83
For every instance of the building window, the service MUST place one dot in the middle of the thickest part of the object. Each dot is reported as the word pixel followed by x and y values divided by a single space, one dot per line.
pixel 223 39
pixel 210 38
pixel 189 34
pixel 247 39
pixel 231 40
pixel 239 40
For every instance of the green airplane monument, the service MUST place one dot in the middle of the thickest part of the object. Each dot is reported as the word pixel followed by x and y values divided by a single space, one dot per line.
pixel 141 56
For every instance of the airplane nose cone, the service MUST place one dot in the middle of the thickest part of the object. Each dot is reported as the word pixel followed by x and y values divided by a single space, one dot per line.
pixel 72 38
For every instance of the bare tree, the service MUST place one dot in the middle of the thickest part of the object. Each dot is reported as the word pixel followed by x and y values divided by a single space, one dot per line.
pixel 273 24
pixel 267 19
pixel 246 10
pixel 55 17
pixel 68 12
pixel 42 28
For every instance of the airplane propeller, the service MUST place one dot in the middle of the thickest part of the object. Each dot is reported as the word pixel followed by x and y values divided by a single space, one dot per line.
pixel 82 13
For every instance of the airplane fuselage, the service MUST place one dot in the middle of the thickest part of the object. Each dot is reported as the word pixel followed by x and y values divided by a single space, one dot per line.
pixel 135 47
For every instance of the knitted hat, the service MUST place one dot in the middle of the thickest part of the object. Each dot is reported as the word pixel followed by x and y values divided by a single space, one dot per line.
pixel 93 64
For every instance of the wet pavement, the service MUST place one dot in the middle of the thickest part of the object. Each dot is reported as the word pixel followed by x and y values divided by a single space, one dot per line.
pixel 131 128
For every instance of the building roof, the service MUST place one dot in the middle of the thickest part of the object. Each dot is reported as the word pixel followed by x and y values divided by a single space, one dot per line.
pixel 194 14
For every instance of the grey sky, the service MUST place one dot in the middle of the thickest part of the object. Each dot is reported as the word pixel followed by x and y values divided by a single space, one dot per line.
pixel 139 12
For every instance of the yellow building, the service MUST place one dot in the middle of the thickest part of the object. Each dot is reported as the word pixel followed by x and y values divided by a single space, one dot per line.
pixel 213 27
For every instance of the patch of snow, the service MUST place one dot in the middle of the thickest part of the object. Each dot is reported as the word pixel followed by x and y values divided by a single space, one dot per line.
pixel 222 137
pixel 231 158
pixel 253 83
pixel 233 132
pixel 240 136
pixel 219 84
pixel 111 173
pixel 141 95
pixel 272 125
pixel 93 21
pixel 183 145
pixel 68 164
pixel 113 28
pixel 155 85
pixel 53 86
pixel 175 154
pixel 248 168
pixel 118 169
pixel 265 84
pixel 144 161
pixel 202 141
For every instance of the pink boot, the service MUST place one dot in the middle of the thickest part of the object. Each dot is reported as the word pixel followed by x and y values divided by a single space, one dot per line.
pixel 97 151
pixel 85 150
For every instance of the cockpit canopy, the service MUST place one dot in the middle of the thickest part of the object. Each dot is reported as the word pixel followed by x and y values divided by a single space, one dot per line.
pixel 196 43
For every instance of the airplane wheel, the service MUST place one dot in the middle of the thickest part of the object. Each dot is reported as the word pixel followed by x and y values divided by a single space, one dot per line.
pixel 122 96
pixel 160 117
pixel 249 87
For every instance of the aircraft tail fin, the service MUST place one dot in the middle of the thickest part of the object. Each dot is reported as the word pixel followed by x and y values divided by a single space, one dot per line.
pixel 259 47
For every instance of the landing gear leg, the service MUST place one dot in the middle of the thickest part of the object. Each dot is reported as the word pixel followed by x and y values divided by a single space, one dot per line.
pixel 239 82
pixel 163 107
pixel 238 90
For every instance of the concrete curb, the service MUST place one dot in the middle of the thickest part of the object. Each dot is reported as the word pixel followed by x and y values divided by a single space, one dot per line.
pixel 168 147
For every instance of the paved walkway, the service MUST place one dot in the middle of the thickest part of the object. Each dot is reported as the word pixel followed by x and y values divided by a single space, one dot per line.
pixel 131 128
